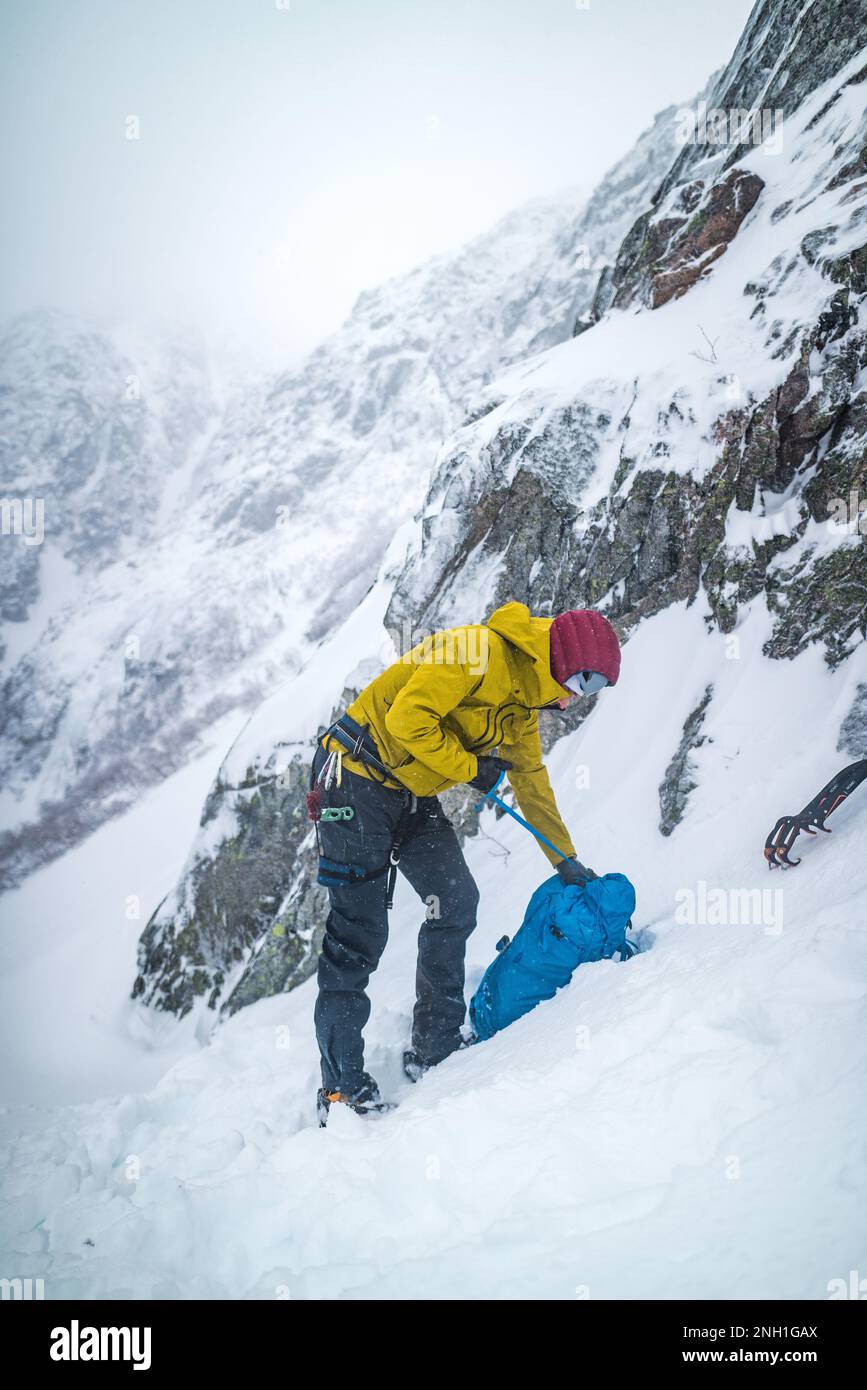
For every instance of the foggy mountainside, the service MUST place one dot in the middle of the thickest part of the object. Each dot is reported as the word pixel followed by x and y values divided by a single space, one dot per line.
pixel 654 403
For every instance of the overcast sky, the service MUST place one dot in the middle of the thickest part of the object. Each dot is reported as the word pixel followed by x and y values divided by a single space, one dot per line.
pixel 293 152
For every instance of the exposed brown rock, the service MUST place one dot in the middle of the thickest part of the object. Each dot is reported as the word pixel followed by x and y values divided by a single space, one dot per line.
pixel 706 237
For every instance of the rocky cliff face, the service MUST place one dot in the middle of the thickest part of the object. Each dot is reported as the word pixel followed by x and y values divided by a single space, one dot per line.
pixel 698 441
pixel 660 530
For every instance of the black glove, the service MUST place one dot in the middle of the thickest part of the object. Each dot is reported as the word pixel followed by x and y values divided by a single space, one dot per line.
pixel 489 771
pixel 573 871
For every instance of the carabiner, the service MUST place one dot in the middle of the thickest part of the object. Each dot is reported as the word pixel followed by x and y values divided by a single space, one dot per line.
pixel 337 813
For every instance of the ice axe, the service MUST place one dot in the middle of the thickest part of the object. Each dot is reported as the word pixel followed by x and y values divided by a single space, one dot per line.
pixel 489 796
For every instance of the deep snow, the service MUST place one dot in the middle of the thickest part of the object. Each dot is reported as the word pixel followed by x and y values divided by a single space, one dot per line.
pixel 687 1123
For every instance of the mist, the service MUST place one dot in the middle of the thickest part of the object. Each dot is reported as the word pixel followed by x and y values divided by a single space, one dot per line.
pixel 248 167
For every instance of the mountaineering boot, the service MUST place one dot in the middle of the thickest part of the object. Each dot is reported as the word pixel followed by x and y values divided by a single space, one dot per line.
pixel 365 1101
pixel 415 1066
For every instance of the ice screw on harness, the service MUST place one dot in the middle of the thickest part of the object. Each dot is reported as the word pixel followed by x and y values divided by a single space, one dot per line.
pixel 333 763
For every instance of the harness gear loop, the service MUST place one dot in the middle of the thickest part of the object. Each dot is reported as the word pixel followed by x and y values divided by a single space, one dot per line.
pixel 358 743
pixel 400 831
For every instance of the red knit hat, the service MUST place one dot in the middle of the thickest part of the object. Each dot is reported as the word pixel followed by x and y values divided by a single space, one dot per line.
pixel 582 640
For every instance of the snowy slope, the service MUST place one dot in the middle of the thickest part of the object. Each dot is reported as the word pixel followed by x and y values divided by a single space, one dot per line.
pixel 197 547
pixel 68 944
pixel 688 1123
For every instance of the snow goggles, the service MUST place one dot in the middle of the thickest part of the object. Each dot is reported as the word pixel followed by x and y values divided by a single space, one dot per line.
pixel 587 682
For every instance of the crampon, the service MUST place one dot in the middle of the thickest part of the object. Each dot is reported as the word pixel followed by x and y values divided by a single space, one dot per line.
pixel 812 818
pixel 366 1101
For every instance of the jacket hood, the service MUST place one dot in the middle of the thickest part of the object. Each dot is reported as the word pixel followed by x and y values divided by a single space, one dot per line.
pixel 516 625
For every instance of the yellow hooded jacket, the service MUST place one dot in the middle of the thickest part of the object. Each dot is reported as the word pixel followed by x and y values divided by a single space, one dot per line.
pixel 462 692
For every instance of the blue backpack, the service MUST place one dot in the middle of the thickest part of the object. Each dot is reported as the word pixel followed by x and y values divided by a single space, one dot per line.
pixel 564 926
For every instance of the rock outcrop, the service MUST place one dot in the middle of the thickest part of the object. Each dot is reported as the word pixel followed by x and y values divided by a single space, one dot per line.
pixel 679 780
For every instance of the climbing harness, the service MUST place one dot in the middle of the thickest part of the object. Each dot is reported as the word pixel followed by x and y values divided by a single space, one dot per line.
pixel 356 741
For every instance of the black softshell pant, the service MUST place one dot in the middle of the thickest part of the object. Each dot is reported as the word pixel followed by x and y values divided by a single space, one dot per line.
pixel 357 927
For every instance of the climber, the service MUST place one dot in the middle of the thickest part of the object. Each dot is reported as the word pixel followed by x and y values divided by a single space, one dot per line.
pixel 461 707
